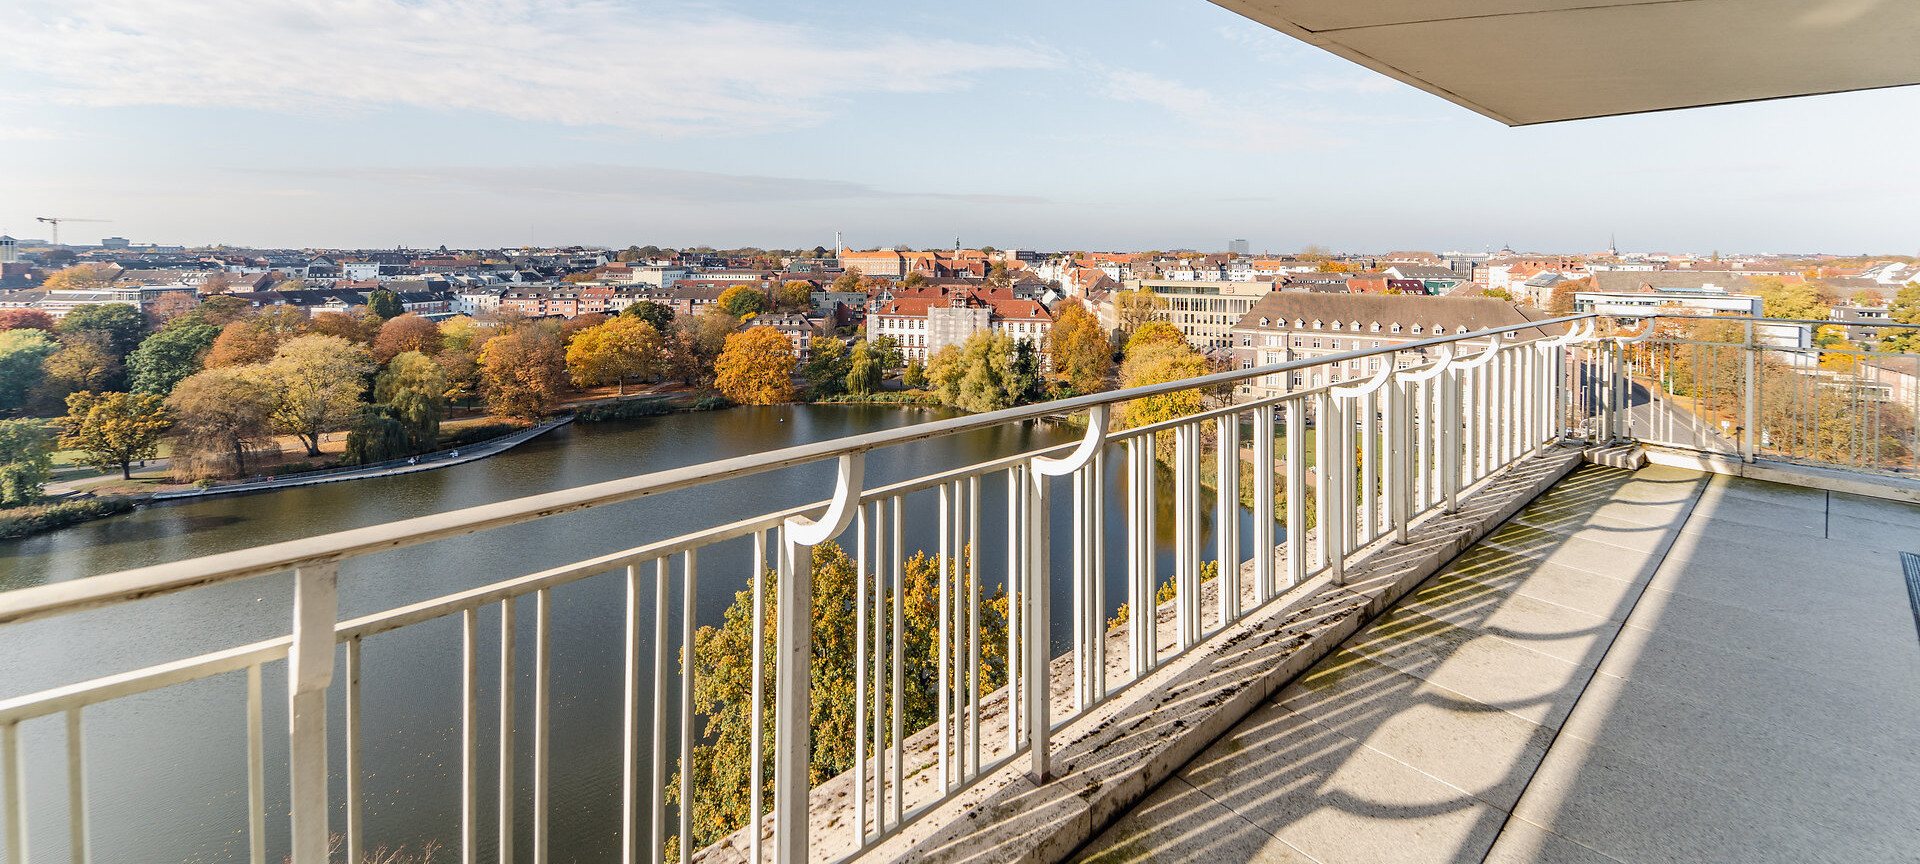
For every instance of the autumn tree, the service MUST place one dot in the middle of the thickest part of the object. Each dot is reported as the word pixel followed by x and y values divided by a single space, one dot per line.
pixel 723 683
pixel 20 319
pixel 82 363
pixel 522 372
pixel 403 333
pixel 1157 354
pixel 22 355
pixel 1561 300
pixel 351 326
pixel 81 277
pixel 915 375
pixel 26 462
pixel 113 430
pixel 1137 307
pixel 1078 348
pixel 171 305
pixel 977 375
pixel 742 301
pixel 463 333
pixel 221 311
pixel 1781 299
pixel 794 296
pixel 614 351
pixel 219 416
pixel 242 343
pixel 697 343
pixel 315 384
pixel 756 368
pixel 1904 309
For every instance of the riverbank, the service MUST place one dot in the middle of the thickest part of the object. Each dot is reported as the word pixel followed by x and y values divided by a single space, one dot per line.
pixel 18 522
pixel 410 465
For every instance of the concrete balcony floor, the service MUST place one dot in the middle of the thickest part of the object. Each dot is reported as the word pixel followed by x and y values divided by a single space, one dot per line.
pixel 1650 666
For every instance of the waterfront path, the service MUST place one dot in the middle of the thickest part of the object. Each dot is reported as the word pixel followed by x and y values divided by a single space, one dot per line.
pixel 1639 667
pixel 428 462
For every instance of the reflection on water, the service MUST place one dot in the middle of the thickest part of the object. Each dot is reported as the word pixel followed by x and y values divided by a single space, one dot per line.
pixel 167 769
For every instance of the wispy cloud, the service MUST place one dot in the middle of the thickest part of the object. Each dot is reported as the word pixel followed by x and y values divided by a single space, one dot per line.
pixel 29 133
pixel 667 71
pixel 633 183
pixel 1267 121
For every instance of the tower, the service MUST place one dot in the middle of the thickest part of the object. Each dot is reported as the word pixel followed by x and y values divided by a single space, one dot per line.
pixel 9 250
pixel 1612 250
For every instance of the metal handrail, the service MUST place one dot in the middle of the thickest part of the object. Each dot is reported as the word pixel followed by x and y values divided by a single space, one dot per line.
pixel 45 601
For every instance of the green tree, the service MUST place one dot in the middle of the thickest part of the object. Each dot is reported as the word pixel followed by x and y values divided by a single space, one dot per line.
pixel 886 349
pixel 22 355
pixel 26 462
pixel 384 304
pixel 756 368
pixel 742 301
pixel 1028 384
pixel 977 375
pixel 376 437
pixel 166 358
pixel 315 385
pixel 113 430
pixel 84 362
pixel 1781 299
pixel 414 390
pixel 120 326
pixel 865 369
pixel 660 315
pixel 915 375
pixel 220 415
pixel 826 371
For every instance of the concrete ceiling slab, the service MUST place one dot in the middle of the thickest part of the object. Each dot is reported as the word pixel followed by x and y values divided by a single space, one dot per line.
pixel 1539 61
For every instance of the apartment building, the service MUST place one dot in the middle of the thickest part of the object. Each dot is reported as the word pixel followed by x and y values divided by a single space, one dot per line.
pixel 1205 311
pixel 925 320
pixel 1296 325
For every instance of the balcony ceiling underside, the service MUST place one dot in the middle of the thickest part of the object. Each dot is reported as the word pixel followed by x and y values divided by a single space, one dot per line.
pixel 1539 61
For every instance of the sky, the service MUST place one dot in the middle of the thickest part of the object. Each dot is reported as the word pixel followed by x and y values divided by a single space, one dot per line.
pixel 1064 124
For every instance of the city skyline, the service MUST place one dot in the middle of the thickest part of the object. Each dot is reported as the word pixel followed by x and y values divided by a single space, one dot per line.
pixel 1143 126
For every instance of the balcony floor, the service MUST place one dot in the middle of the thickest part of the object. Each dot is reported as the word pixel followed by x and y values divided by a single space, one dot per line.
pixel 1649 666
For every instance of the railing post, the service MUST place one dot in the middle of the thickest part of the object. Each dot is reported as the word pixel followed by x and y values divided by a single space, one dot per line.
pixel 1752 415
pixel 793 660
pixel 309 673
pixel 1399 459
pixel 1450 439
pixel 1034 603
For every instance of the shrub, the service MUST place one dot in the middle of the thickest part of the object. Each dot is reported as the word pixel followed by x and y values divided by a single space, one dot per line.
pixel 624 410
pixel 713 403
pixel 25 521
pixel 466 435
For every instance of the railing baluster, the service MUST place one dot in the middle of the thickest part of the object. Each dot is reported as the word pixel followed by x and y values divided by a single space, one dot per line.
pixel 309 672
pixel 1037 655
pixel 1081 596
pixel 861 562
pixel 542 728
pixel 1226 519
pixel 630 726
pixel 1263 575
pixel 469 736
pixel 505 853
pixel 356 827
pixel 1140 611
pixel 15 780
pixel 1400 458
pixel 1296 492
pixel 689 611
pixel 899 657
pixel 1369 500
pixel 1015 492
pixel 76 789
pixel 662 574
pixel 756 739
pixel 944 631
pixel 1186 480
pixel 1096 536
pixel 256 770
pixel 878 576
pixel 974 631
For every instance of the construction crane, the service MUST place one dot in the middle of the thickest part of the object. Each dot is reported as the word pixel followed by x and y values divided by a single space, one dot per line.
pixel 56 220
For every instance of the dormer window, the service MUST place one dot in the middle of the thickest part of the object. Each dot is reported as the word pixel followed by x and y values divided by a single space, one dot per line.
pixel 1395 328
pixel 1376 327
pixel 1355 327
pixel 1316 325
pixel 1263 321
pixel 1416 329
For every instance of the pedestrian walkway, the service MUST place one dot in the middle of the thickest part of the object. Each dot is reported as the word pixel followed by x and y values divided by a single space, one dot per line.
pixel 1655 666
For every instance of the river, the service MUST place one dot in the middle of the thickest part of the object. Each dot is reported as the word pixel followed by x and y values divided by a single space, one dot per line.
pixel 166 770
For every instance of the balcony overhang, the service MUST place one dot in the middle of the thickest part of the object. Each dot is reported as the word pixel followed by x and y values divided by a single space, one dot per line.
pixel 1538 61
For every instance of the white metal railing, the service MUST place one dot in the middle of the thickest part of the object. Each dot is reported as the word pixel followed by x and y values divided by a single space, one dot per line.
pixel 1721 386
pixel 1388 451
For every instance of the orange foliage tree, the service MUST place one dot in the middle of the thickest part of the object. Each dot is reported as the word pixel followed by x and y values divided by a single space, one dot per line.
pixel 756 368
